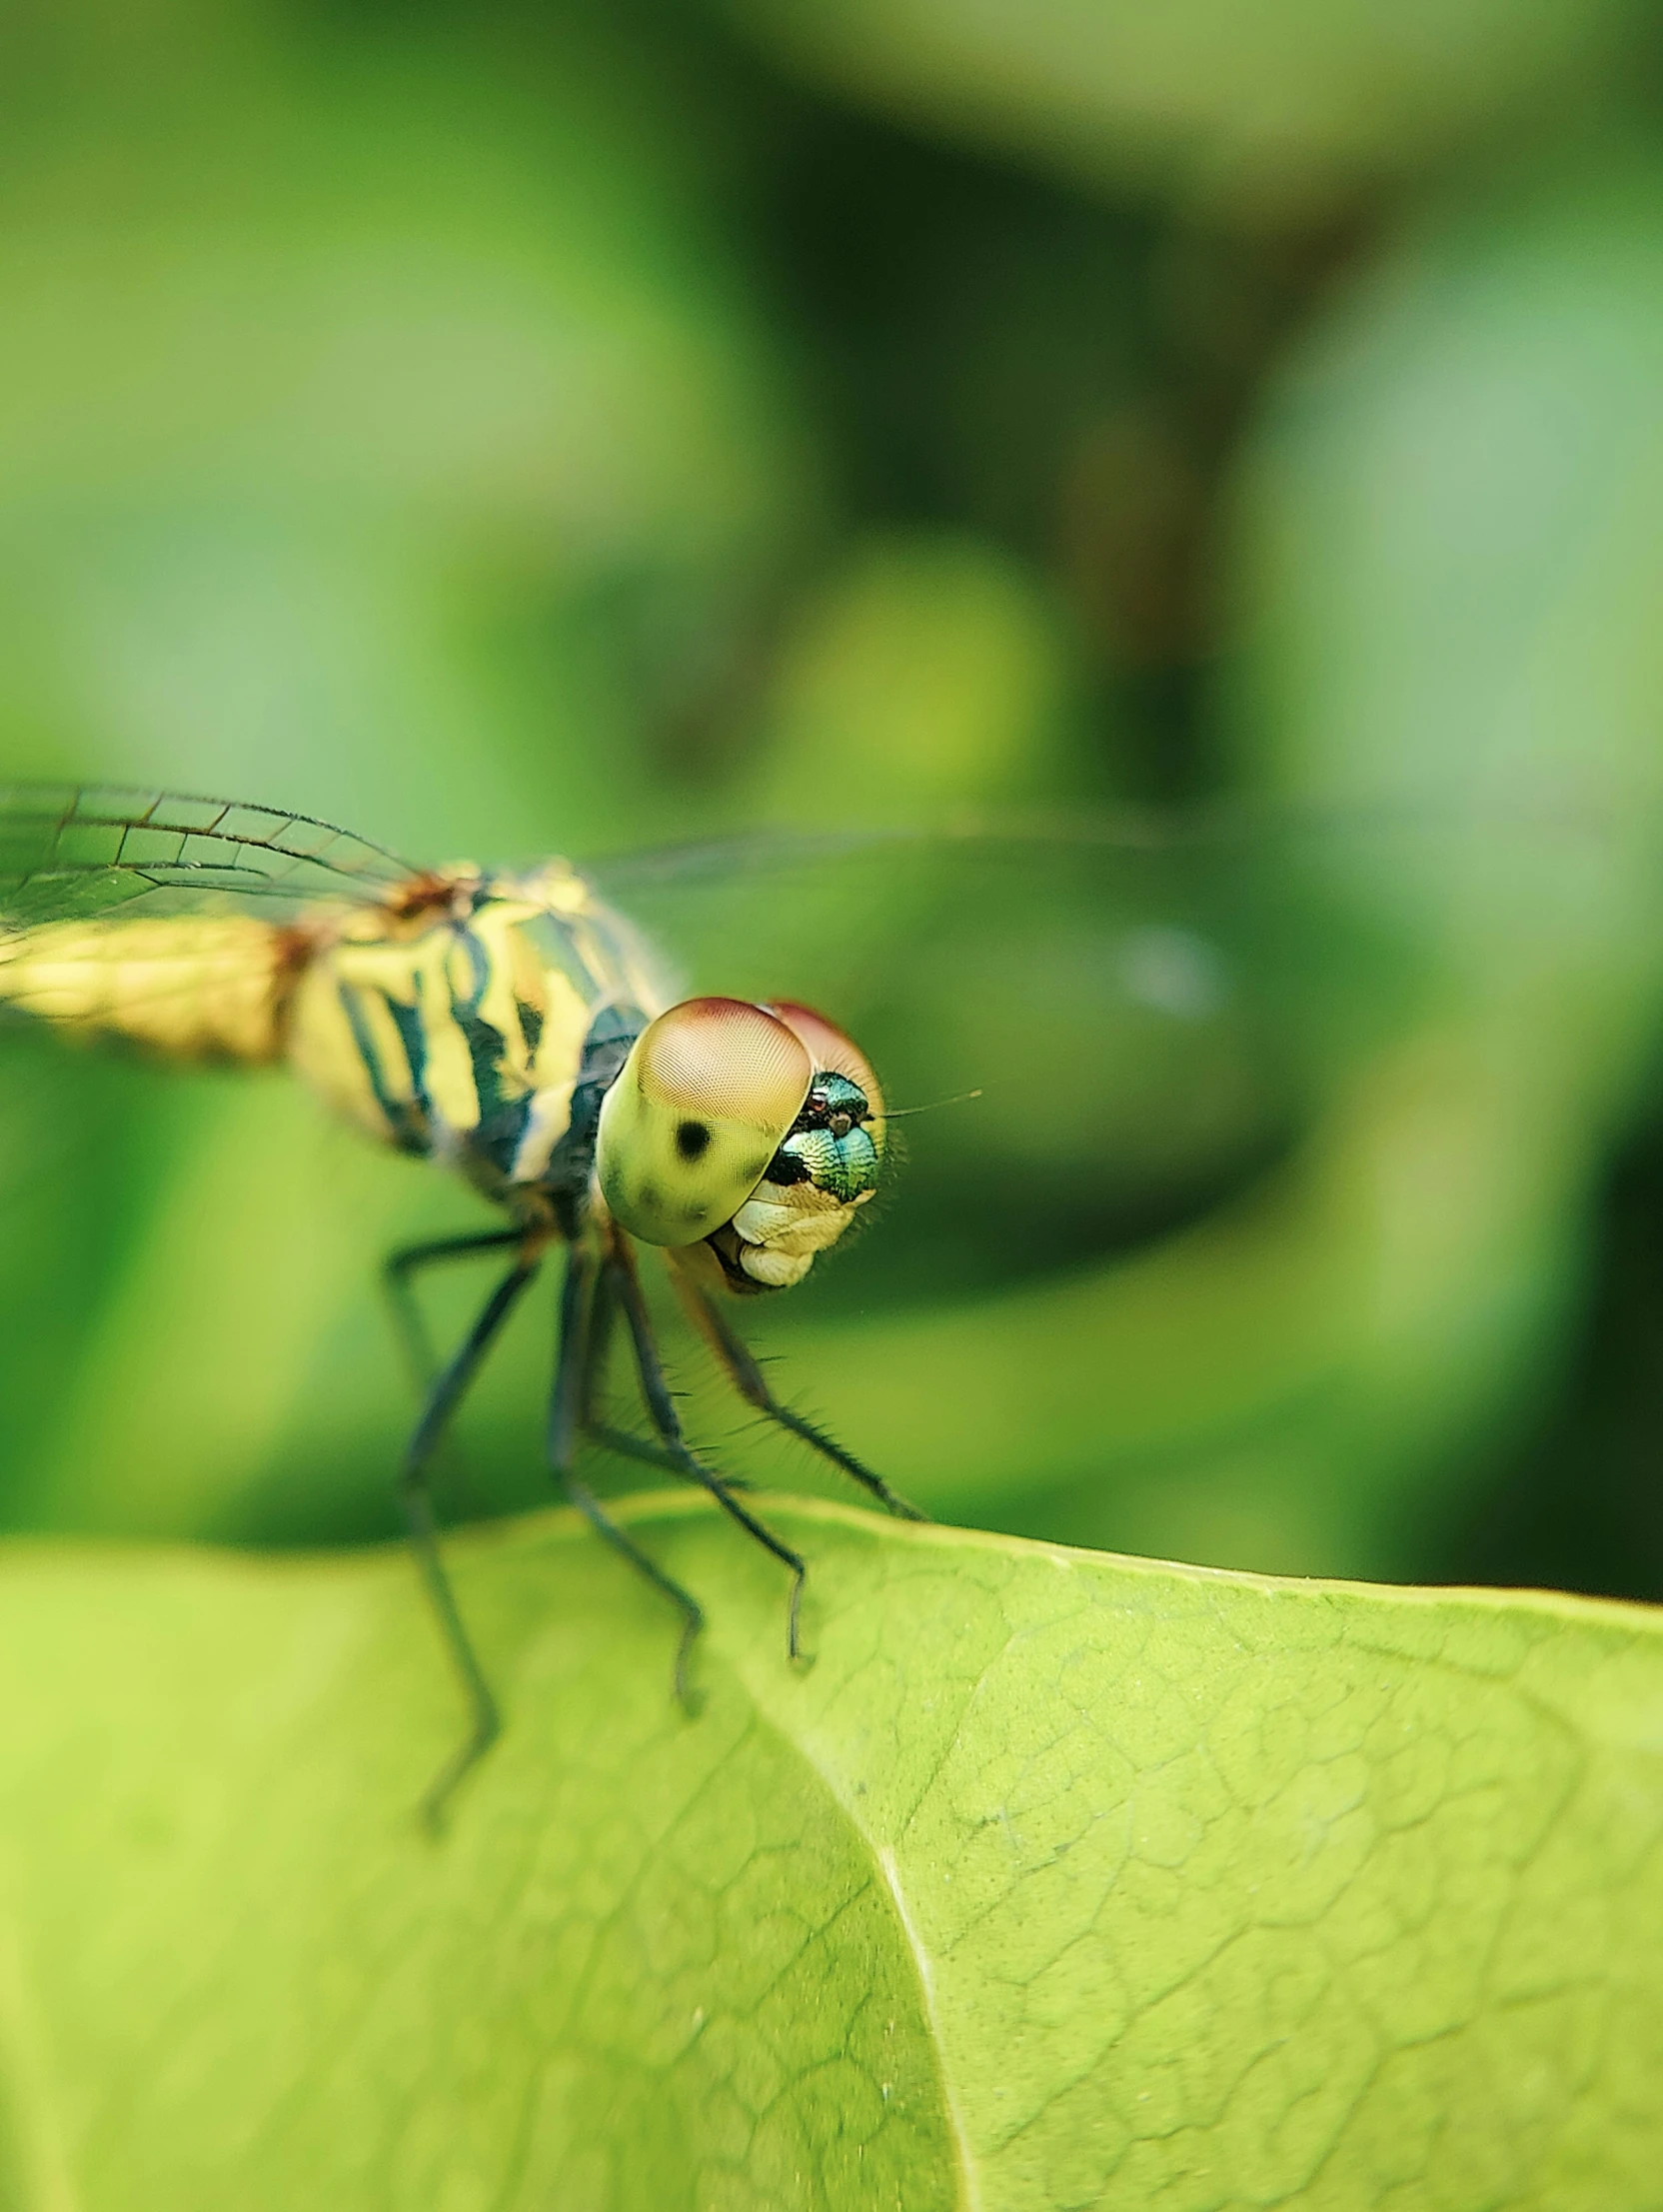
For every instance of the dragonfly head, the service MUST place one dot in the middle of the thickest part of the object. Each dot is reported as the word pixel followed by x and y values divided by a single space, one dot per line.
pixel 756 1131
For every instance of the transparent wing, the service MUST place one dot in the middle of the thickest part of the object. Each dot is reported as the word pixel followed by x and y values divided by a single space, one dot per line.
pixel 1154 1009
pixel 72 851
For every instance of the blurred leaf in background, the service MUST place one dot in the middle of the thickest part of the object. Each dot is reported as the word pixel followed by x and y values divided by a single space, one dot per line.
pixel 507 435
pixel 1264 116
pixel 386 425
pixel 1447 568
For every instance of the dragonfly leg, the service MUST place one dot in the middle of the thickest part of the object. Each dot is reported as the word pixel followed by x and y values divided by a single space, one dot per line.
pixel 585 1313
pixel 660 1408
pixel 398 1274
pixel 602 1312
pixel 415 1496
pixel 750 1382
pixel 602 1431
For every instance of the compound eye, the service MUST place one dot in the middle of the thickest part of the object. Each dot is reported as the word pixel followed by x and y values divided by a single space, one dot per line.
pixel 697 1112
pixel 836 1053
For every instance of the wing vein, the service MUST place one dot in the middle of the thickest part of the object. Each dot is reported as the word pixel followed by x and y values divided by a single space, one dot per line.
pixel 71 851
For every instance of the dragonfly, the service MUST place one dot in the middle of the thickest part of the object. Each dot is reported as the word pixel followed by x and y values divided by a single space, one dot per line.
pixel 513 1028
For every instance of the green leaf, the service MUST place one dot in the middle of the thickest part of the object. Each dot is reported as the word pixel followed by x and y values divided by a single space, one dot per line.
pixel 1268 110
pixel 1058 1880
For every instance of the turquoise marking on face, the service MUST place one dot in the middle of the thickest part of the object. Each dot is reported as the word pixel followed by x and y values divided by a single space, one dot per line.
pixel 846 1166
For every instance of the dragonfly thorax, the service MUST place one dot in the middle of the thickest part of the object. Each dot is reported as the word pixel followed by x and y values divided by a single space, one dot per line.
pixel 452 1018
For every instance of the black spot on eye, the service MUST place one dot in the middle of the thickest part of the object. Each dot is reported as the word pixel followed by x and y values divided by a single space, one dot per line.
pixel 693 1139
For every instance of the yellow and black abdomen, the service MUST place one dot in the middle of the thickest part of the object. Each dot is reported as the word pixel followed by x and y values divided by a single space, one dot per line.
pixel 190 988
pixel 448 1023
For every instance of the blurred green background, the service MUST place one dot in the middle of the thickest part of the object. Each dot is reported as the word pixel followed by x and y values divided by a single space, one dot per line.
pixel 583 428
